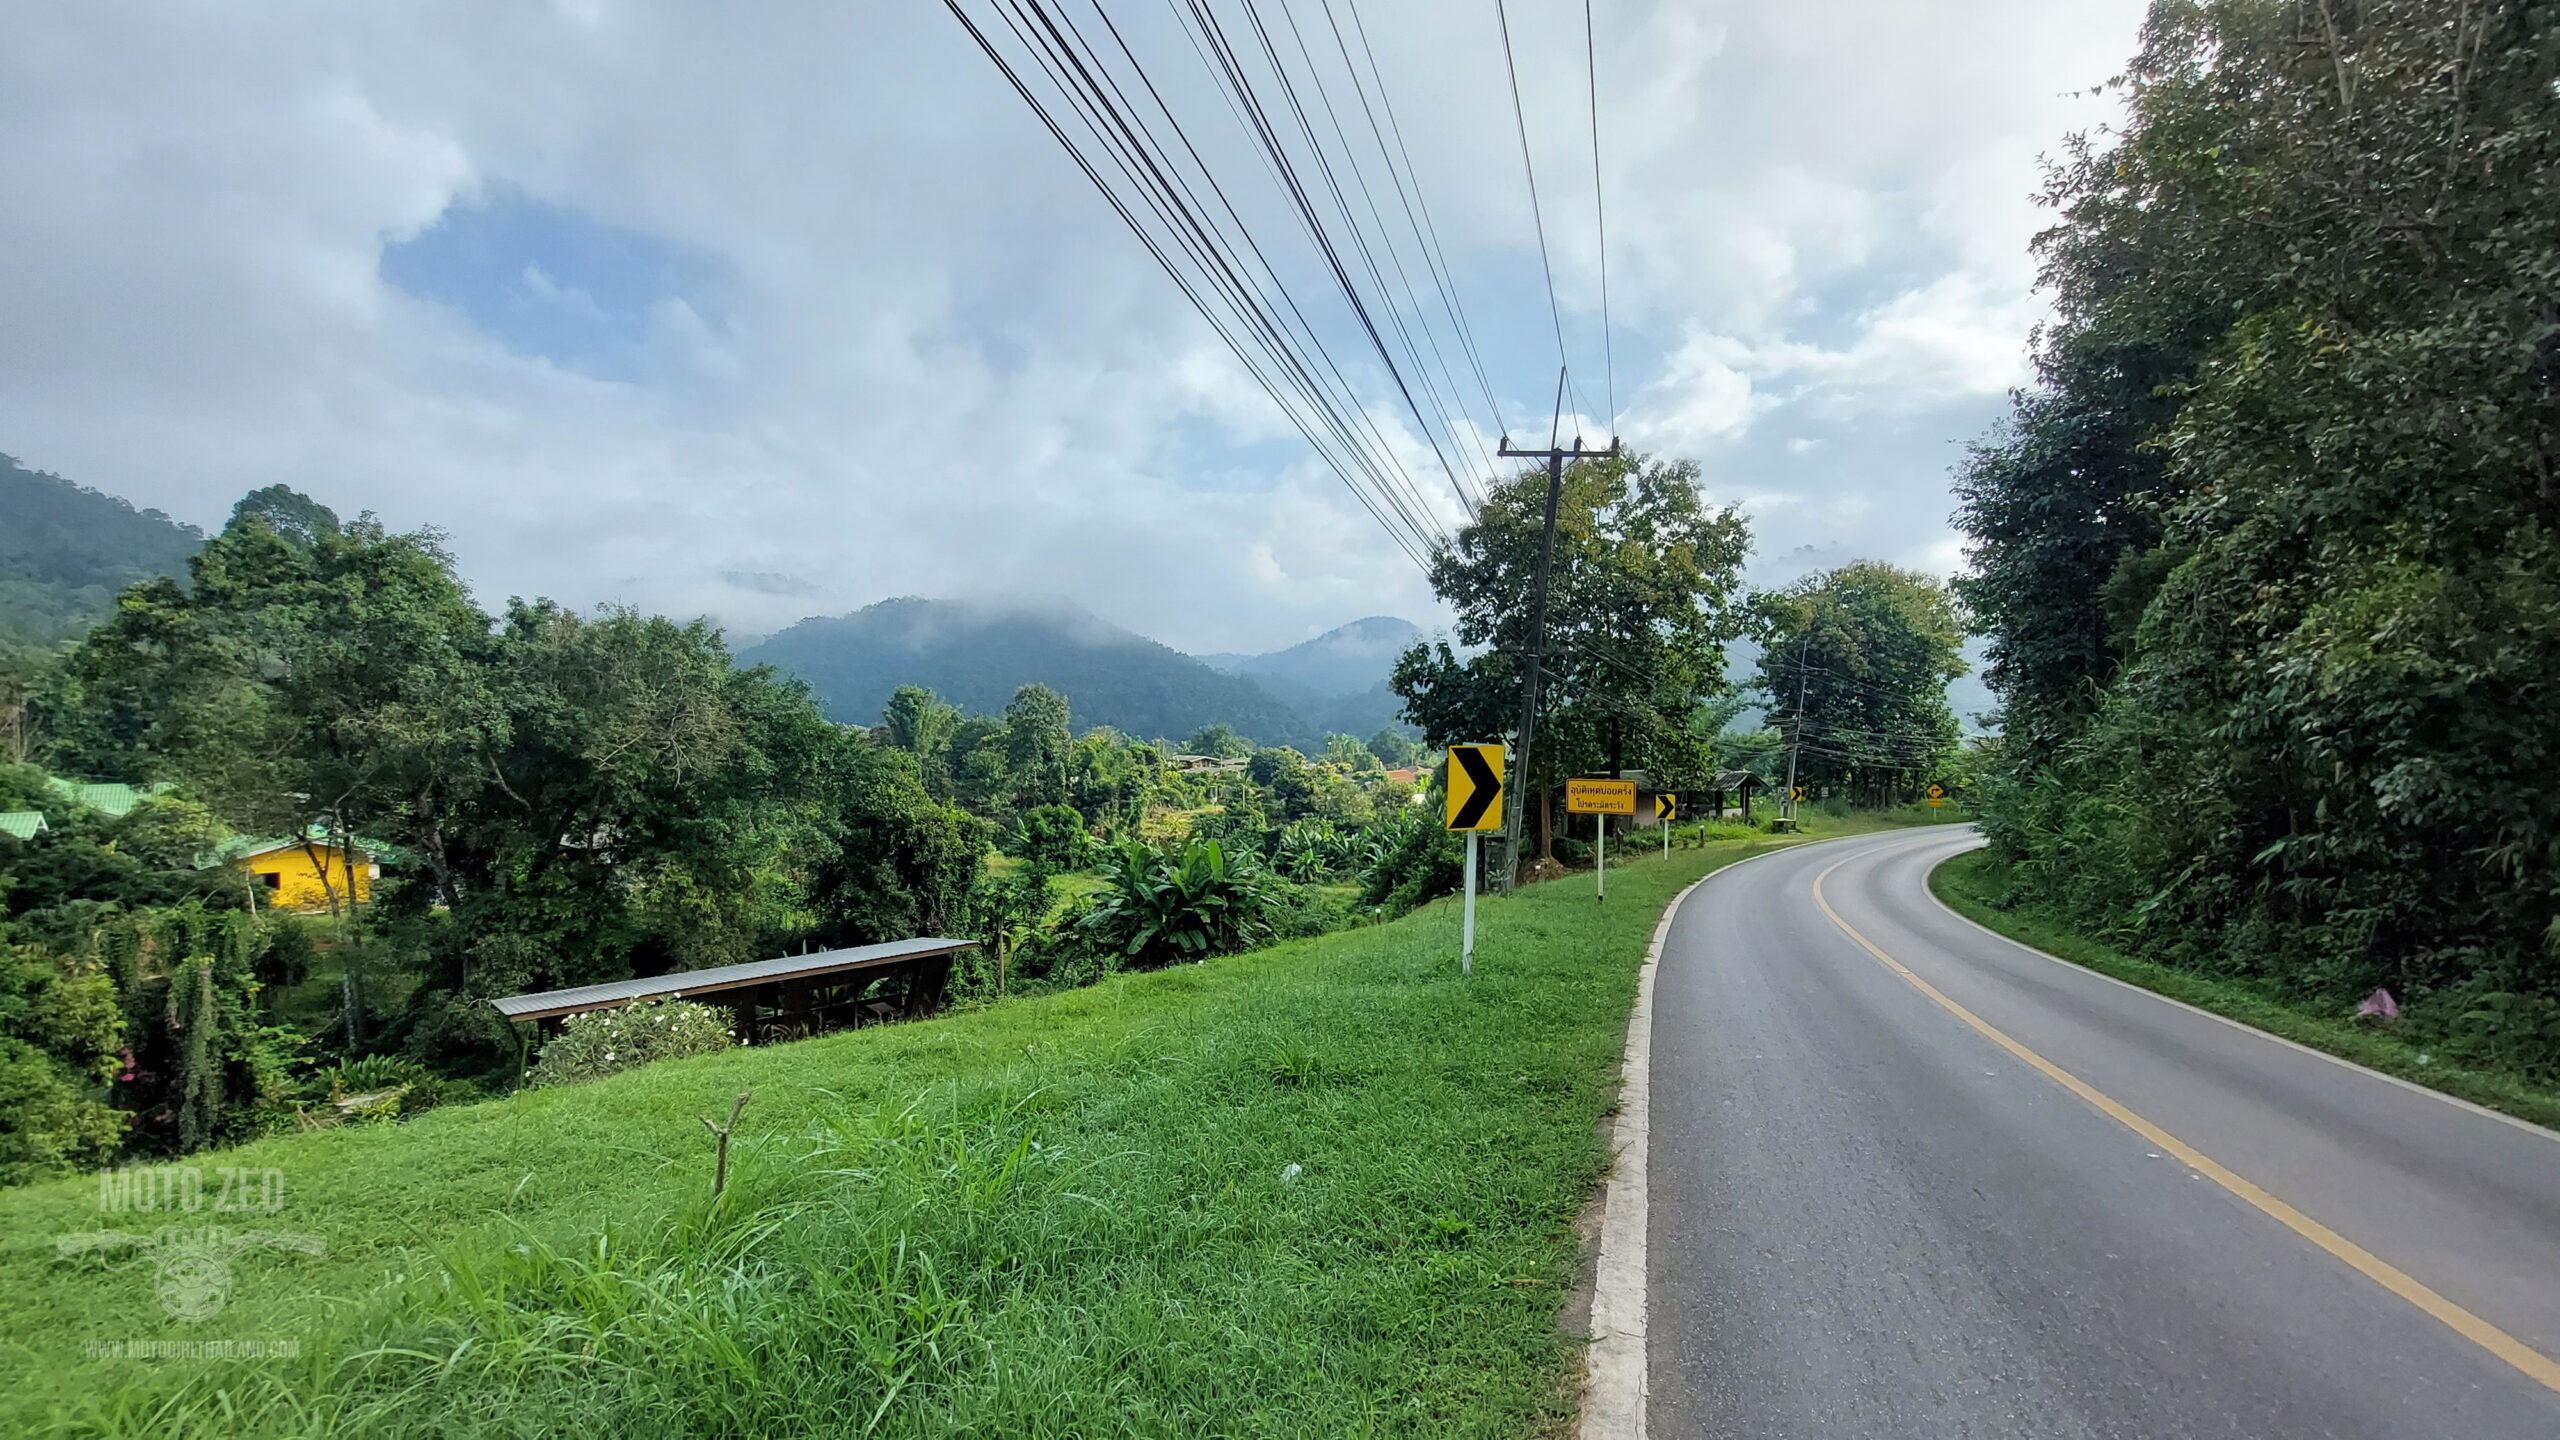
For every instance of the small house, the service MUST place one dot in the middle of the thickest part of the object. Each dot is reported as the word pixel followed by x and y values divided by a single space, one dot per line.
pixel 25 824
pixel 287 873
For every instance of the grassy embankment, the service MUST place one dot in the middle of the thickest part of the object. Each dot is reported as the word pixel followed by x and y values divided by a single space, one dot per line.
pixel 1323 1189
pixel 1971 881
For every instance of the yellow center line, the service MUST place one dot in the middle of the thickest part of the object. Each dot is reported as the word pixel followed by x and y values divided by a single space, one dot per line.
pixel 2390 1277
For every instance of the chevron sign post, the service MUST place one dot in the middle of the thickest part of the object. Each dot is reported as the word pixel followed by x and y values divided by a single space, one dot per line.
pixel 1475 805
pixel 1666 808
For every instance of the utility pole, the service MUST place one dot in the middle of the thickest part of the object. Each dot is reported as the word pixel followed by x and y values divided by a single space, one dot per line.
pixel 1794 749
pixel 1516 820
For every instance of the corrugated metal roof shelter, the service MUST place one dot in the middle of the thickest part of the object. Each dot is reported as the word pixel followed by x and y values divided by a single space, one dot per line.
pixel 799 992
pixel 25 824
pixel 111 800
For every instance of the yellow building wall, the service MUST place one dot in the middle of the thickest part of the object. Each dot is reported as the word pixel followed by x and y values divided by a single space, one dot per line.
pixel 297 886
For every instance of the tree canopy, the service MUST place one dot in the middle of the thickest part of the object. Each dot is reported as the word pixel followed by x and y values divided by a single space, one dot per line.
pixel 1855 664
pixel 1644 595
pixel 2270 556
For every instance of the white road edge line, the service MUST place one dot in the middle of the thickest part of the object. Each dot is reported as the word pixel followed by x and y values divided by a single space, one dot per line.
pixel 1614 1380
pixel 2412 1086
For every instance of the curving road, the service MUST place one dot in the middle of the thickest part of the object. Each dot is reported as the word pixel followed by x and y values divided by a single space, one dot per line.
pixel 1910 1179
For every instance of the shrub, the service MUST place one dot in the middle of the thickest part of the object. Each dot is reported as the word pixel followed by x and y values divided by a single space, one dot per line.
pixel 1052 836
pixel 597 1043
pixel 1417 860
pixel 1167 903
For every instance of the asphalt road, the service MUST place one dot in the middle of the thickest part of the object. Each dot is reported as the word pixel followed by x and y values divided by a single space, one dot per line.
pixel 1869 1218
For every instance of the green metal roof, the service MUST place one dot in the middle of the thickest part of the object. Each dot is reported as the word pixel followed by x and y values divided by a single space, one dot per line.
pixel 25 824
pixel 113 801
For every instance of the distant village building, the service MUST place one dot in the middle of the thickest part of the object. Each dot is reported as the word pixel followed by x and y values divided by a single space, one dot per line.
pixel 113 801
pixel 287 872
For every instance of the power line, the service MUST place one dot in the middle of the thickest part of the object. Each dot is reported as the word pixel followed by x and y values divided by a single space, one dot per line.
pixel 1600 209
pixel 1407 201
pixel 1439 257
pixel 1528 167
pixel 1248 305
pixel 1360 180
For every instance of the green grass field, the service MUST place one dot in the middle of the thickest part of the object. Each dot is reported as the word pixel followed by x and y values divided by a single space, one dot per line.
pixel 1324 1189
pixel 1969 882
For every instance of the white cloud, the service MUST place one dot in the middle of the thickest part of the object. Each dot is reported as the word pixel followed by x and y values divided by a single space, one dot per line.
pixel 945 369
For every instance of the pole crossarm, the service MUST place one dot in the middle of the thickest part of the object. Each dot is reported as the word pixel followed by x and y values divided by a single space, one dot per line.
pixel 1509 452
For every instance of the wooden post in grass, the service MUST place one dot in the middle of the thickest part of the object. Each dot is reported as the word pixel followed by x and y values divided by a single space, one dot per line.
pixel 720 1177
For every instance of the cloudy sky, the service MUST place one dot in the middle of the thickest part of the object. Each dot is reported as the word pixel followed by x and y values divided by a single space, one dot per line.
pixel 763 311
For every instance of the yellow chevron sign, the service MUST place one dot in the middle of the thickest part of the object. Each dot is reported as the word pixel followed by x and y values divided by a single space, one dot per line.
pixel 1475 787
pixel 1666 807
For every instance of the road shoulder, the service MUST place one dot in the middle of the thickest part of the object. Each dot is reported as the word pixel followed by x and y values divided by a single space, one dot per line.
pixel 1963 885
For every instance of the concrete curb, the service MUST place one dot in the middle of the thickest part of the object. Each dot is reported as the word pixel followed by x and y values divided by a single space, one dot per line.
pixel 1614 1380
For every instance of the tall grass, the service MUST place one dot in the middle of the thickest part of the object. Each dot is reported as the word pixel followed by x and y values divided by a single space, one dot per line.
pixel 1324 1189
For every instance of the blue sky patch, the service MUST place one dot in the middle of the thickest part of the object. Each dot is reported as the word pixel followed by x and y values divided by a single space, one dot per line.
pixel 552 283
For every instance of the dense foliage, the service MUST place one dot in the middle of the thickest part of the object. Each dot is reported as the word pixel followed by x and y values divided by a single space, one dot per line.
pixel 1644 595
pixel 2270 557
pixel 1855 664
pixel 563 799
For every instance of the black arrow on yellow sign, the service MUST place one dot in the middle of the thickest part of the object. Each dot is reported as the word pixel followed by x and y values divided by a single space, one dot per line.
pixel 1666 807
pixel 1475 787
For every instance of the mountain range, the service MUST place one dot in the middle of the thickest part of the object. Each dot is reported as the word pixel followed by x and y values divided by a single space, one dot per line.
pixel 976 655
pixel 65 551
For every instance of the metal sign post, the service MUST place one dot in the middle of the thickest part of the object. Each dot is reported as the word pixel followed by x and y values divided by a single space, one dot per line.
pixel 1603 798
pixel 1467 933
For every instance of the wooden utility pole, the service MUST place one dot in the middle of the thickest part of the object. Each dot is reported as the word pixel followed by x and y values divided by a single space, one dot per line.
pixel 1517 819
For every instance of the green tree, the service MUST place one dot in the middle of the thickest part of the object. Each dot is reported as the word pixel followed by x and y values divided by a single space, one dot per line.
pixel 920 724
pixel 1396 750
pixel 2267 558
pixel 1036 743
pixel 1347 752
pixel 1051 836
pixel 60 1029
pixel 1219 740
pixel 1855 664
pixel 1643 597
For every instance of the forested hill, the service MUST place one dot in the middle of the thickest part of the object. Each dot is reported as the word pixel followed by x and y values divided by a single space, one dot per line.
pixel 66 550
pixel 1338 680
pixel 975 657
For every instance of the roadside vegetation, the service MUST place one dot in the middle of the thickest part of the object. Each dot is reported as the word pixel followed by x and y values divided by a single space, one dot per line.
pixel 538 798
pixel 1323 1188
pixel 2269 556
pixel 2475 1062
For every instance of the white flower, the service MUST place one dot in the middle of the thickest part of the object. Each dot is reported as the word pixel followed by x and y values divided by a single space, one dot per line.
pixel 1290 1175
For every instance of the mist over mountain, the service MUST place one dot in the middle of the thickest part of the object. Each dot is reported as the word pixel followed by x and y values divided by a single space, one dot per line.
pixel 65 550
pixel 1338 680
pixel 975 656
